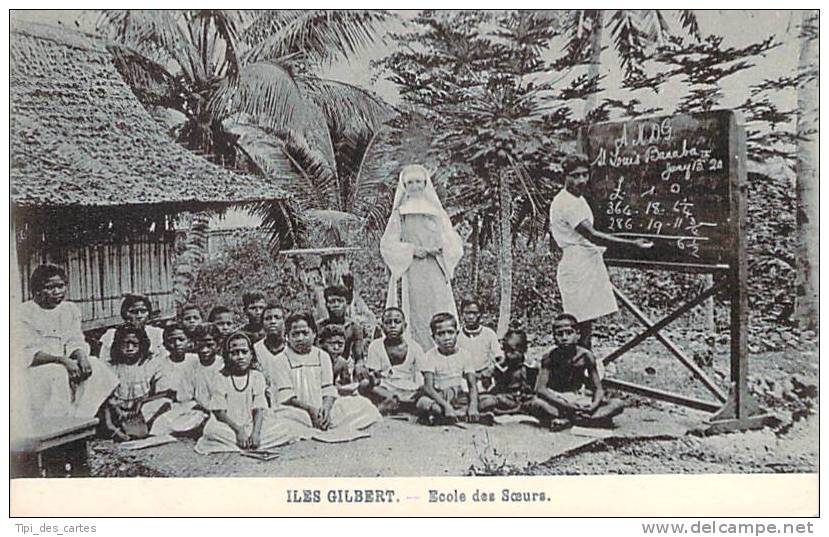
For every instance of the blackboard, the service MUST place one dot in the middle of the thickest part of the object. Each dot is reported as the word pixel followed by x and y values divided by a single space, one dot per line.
pixel 671 180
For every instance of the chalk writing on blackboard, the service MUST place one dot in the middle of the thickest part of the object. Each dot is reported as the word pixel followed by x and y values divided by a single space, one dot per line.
pixel 667 180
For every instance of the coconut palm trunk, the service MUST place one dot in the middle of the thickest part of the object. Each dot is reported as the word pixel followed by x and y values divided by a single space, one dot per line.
pixel 806 299
pixel 190 259
pixel 475 257
pixel 504 251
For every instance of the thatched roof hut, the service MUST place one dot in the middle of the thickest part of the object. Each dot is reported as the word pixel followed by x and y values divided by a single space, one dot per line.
pixel 79 137
pixel 93 175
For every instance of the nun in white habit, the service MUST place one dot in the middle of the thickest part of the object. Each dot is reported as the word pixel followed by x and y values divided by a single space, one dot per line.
pixel 421 249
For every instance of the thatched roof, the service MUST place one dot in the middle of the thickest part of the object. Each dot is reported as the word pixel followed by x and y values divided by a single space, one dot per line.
pixel 79 137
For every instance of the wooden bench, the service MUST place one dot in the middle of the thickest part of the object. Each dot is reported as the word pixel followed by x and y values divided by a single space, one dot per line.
pixel 56 447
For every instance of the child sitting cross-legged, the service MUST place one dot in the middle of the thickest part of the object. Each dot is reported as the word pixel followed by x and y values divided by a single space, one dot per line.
pixel 303 384
pixel 565 373
pixel 271 346
pixel 394 364
pixel 511 386
pixel 240 418
pixel 481 342
pixel 177 374
pixel 448 372
pixel 206 339
pixel 130 411
pixel 332 341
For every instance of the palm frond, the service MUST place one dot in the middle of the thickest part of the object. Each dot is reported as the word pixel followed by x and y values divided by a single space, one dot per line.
pixel 265 92
pixel 348 109
pixel 689 22
pixel 631 40
pixel 322 36
pixel 268 152
pixel 226 23
pixel 158 34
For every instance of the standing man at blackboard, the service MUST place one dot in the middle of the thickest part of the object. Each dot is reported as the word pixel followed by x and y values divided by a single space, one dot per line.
pixel 582 277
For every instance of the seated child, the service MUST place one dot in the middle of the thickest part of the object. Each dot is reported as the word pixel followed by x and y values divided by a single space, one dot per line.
pixel 59 378
pixel 564 374
pixel 269 348
pixel 303 382
pixel 224 320
pixel 511 385
pixel 130 411
pixel 448 373
pixel 253 304
pixel 481 342
pixel 135 310
pixel 205 341
pixel 336 302
pixel 332 341
pixel 190 317
pixel 240 418
pixel 394 365
pixel 177 375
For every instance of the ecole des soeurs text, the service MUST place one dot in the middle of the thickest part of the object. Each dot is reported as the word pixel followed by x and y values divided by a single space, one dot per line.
pixel 389 496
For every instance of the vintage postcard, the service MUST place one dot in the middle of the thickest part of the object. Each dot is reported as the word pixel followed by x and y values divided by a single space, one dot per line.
pixel 548 262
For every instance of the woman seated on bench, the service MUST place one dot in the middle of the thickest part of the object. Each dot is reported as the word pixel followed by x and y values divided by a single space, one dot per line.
pixel 60 378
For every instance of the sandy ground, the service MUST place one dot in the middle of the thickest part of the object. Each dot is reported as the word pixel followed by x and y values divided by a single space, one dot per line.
pixel 650 437
pixel 396 448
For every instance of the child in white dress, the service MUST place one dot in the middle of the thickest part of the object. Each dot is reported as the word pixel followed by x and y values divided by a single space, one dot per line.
pixel 303 383
pixel 240 418
pixel 206 339
pixel 177 373
pixel 136 403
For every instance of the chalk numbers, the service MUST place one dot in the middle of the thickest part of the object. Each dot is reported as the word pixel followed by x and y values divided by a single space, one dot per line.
pixel 621 224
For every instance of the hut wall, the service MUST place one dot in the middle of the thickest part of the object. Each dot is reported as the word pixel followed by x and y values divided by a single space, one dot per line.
pixel 100 274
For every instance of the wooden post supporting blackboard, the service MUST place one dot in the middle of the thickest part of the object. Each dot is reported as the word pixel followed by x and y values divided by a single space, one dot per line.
pixel 679 181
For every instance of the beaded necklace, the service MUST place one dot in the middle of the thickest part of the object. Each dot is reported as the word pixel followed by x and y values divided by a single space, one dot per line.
pixel 247 381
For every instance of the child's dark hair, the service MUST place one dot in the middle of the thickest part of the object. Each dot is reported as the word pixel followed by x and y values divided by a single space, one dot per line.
pixel 216 311
pixel 131 300
pixel 442 317
pixel 189 307
pixel 271 306
pixel 254 363
pixel 394 308
pixel 300 316
pixel 335 290
pixel 41 275
pixel 574 162
pixel 566 317
pixel 116 356
pixel 251 297
pixel 331 330
pixel 469 301
pixel 170 328
pixel 515 330
pixel 206 329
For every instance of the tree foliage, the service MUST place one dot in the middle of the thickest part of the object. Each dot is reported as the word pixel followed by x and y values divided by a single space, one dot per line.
pixel 246 88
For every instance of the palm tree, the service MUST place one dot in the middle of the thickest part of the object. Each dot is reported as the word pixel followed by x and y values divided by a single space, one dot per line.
pixel 242 87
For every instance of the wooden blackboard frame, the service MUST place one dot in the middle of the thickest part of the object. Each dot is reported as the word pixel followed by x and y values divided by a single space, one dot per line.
pixel 737 409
